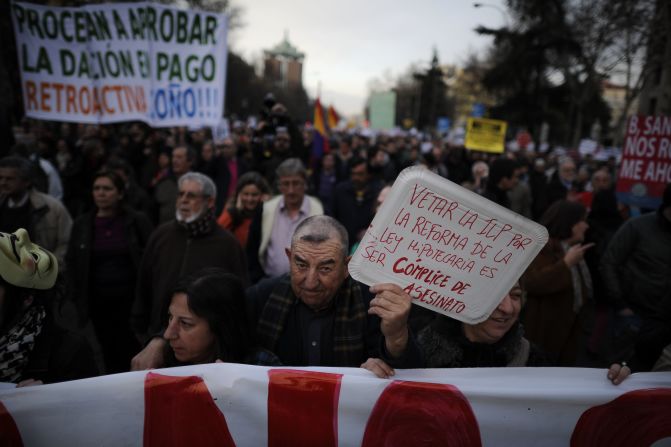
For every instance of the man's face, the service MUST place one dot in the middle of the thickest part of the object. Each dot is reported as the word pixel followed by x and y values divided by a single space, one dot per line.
pixel 190 201
pixel 180 162
pixel 359 175
pixel 344 148
pixel 317 270
pixel 567 171
pixel 282 142
pixel 292 188
pixel 11 183
pixel 228 149
pixel 207 152
pixel 500 321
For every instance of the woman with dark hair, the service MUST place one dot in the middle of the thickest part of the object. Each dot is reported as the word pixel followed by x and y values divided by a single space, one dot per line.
pixel 103 258
pixel 249 195
pixel 207 320
pixel 559 286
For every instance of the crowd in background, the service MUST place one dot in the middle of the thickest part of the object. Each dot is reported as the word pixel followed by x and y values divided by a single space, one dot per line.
pixel 105 199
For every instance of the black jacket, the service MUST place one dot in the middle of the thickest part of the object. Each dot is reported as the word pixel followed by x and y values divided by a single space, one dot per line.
pixel 289 346
pixel 138 228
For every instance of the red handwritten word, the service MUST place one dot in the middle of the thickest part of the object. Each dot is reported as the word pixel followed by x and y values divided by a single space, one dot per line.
pixel 492 230
pixel 519 241
pixel 480 249
pixel 419 272
pixel 425 198
pixel 433 298
pixel 425 250
pixel 391 240
pixel 487 271
pixel 372 254
pixel 432 231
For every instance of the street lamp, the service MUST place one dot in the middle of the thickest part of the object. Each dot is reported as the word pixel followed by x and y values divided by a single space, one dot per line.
pixel 504 14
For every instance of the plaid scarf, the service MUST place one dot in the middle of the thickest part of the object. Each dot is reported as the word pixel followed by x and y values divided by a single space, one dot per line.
pixel 348 329
pixel 17 344
pixel 201 226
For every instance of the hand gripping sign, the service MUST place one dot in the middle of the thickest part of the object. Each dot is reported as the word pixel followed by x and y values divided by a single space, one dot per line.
pixel 450 249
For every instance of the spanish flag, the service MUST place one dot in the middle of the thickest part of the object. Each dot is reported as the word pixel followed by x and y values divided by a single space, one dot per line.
pixel 320 143
pixel 332 118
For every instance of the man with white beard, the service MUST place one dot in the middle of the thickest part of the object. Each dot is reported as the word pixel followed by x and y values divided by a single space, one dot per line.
pixel 177 248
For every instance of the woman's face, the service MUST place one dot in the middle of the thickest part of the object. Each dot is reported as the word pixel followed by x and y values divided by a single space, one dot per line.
pixel 500 321
pixel 207 152
pixel 164 160
pixel 105 195
pixel 250 196
pixel 189 335
pixel 578 232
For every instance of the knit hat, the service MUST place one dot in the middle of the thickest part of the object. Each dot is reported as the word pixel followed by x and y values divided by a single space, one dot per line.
pixel 25 264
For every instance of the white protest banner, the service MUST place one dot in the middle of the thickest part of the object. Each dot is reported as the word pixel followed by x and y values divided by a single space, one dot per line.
pixel 450 249
pixel 240 405
pixel 121 61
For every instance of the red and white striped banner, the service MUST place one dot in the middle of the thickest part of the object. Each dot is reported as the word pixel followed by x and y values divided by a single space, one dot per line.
pixel 240 405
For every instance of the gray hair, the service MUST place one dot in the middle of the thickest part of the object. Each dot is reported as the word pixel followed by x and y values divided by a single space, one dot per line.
pixel 565 160
pixel 321 228
pixel 205 182
pixel 291 166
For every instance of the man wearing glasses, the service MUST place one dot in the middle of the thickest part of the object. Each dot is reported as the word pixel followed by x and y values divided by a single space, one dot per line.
pixel 271 229
pixel 190 242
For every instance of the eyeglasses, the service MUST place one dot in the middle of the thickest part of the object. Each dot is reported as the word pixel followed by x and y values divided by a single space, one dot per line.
pixel 291 183
pixel 188 195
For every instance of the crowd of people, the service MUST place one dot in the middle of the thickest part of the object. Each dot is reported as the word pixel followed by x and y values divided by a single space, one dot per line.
pixel 172 248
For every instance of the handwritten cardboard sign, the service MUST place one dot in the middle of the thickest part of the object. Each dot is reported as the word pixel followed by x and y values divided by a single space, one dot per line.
pixel 451 250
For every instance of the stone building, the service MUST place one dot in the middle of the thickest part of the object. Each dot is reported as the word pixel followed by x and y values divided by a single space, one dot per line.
pixel 283 65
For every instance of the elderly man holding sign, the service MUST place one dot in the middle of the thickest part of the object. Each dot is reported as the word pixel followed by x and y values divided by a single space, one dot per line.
pixel 317 315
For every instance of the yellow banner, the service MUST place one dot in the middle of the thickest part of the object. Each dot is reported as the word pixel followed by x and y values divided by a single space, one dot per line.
pixel 485 135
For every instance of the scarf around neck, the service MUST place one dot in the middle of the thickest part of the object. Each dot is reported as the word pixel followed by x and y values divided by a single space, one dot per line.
pixel 202 226
pixel 348 328
pixel 445 345
pixel 18 343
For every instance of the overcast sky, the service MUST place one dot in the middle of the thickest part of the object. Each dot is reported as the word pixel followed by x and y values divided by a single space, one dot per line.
pixel 349 42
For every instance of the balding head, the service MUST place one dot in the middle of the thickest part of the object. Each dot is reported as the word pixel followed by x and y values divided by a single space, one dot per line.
pixel 317 229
